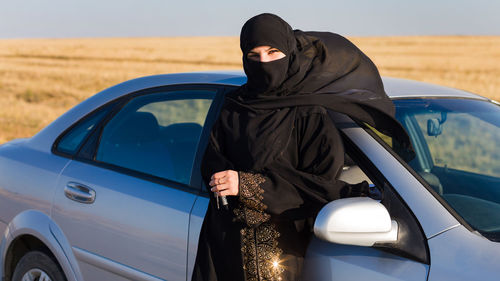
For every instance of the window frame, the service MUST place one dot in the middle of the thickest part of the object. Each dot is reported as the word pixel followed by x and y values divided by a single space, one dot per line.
pixel 396 205
pixel 112 106
pixel 88 149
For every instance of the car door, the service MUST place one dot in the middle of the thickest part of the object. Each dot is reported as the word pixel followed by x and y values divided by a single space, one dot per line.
pixel 407 259
pixel 124 202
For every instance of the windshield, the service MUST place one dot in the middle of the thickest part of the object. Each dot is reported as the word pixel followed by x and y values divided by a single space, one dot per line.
pixel 456 144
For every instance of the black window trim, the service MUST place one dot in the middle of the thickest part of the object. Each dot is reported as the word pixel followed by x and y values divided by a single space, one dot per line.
pixel 112 104
pixel 201 149
pixel 212 115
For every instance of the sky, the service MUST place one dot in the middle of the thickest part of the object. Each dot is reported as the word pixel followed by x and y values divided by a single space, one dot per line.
pixel 151 18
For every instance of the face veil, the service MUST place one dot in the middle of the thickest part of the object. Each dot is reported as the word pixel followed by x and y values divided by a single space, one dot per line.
pixel 266 30
pixel 265 77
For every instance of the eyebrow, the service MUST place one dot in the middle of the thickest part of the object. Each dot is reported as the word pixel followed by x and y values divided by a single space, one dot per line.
pixel 251 52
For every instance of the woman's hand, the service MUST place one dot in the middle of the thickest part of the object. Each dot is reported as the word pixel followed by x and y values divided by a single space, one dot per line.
pixel 225 183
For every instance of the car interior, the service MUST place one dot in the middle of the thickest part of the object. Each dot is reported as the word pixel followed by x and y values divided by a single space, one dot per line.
pixel 138 138
pixel 133 142
pixel 468 187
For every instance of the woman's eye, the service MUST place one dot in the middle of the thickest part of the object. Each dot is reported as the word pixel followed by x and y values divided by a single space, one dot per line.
pixel 273 51
pixel 252 55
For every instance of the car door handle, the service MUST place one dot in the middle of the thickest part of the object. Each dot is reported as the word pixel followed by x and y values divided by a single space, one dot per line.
pixel 79 193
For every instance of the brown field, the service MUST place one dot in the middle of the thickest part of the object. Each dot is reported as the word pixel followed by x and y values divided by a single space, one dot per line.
pixel 42 78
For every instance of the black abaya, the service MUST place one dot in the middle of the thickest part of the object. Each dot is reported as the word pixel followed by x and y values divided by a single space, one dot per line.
pixel 275 131
pixel 271 220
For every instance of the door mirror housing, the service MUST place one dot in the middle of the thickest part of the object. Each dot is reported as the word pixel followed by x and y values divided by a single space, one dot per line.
pixel 359 221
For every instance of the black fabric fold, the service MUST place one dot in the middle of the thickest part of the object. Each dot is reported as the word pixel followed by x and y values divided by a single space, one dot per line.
pixel 325 69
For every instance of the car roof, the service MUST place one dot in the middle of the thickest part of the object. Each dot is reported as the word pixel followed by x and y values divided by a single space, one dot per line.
pixel 404 88
pixel 395 88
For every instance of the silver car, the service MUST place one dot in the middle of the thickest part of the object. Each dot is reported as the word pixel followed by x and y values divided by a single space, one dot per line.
pixel 112 190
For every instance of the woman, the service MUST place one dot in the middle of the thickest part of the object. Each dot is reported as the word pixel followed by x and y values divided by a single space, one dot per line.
pixel 276 154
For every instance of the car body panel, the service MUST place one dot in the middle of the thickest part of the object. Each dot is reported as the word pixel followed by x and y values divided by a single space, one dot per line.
pixel 39 172
pixel 99 268
pixel 38 224
pixel 3 228
pixel 195 222
pixel 459 254
pixel 66 248
pixel 150 223
pixel 330 262
pixel 404 88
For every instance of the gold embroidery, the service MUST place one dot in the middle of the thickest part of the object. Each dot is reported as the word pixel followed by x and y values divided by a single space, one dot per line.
pixel 259 237
pixel 251 209
pixel 261 255
pixel 250 190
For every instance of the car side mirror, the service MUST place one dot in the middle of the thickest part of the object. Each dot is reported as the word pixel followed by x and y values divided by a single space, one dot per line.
pixel 359 221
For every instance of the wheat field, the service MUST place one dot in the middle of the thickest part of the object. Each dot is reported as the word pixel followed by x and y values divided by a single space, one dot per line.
pixel 42 78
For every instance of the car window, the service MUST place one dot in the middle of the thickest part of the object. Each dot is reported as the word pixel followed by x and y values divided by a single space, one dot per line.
pixel 455 142
pixel 461 141
pixel 157 134
pixel 70 141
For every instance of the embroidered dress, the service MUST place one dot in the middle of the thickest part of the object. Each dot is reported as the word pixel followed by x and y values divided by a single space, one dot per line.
pixel 266 230
pixel 259 238
pixel 276 132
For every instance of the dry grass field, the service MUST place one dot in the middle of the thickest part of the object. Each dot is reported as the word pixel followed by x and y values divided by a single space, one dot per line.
pixel 42 78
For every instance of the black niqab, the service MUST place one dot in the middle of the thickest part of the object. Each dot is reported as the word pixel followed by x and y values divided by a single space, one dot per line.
pixel 265 77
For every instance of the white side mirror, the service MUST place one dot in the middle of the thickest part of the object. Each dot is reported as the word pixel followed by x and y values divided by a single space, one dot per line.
pixel 359 221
